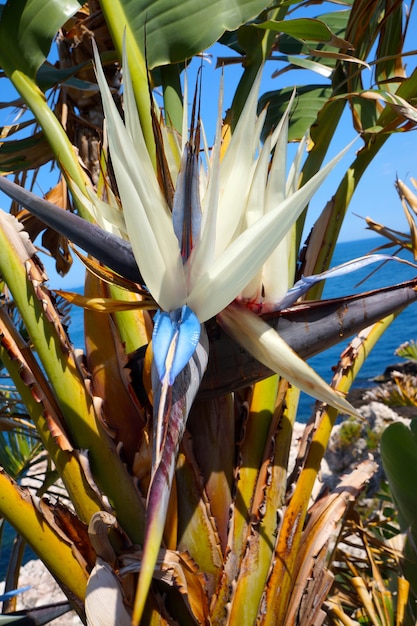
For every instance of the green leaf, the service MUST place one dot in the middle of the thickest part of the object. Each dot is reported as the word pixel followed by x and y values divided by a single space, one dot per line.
pixel 22 154
pixel 309 101
pixel 306 29
pixel 17 448
pixel 48 76
pixel 178 31
pixel 27 29
pixel 399 458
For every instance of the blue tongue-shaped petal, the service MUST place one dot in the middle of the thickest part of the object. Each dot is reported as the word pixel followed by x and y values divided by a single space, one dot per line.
pixel 181 357
pixel 174 341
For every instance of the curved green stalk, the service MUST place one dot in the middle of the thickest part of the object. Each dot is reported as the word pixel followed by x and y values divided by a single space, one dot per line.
pixel 119 26
pixel 19 509
pixel 257 45
pixel 16 357
pixel 69 387
pixel 56 135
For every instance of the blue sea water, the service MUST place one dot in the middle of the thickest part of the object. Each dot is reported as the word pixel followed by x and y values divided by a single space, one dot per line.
pixel 404 327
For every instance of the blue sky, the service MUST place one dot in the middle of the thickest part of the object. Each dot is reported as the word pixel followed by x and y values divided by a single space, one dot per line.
pixel 375 197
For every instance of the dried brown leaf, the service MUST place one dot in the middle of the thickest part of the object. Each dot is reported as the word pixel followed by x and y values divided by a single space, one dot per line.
pixel 324 517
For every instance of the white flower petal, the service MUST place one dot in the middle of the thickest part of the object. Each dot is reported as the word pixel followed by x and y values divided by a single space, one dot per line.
pixel 278 270
pixel 255 208
pixel 236 168
pixel 147 217
pixel 282 126
pixel 234 269
pixel 131 149
pixel 293 179
pixel 272 280
pixel 255 205
pixel 266 345
pixel 160 265
pixel 275 188
pixel 109 217
pixel 172 149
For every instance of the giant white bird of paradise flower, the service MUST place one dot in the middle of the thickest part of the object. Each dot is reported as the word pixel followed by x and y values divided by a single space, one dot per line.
pixel 219 248
pixel 238 218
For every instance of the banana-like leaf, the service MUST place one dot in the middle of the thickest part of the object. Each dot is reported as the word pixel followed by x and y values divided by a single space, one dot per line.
pixel 177 31
pixel 400 468
pixel 27 29
pixel 174 32
pixel 309 101
pixel 306 29
pixel 399 459
pixel 21 154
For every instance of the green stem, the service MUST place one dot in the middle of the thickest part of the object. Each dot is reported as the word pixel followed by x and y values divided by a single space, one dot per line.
pixel 19 362
pixel 118 26
pixel 56 135
pixel 57 554
pixel 68 385
pixel 257 45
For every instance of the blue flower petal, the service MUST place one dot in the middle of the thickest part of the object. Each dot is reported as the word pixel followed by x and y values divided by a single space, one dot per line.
pixel 174 340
